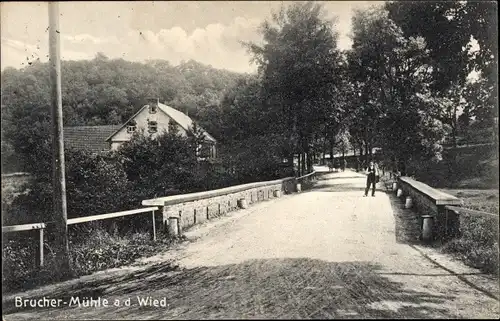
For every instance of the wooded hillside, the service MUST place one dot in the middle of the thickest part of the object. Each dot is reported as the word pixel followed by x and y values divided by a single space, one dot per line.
pixel 102 92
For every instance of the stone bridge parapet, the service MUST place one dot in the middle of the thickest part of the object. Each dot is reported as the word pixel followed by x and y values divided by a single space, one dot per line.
pixel 183 211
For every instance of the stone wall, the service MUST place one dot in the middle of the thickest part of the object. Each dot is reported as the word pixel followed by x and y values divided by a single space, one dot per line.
pixel 196 208
pixel 428 201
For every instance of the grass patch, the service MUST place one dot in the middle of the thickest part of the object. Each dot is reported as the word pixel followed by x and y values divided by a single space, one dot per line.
pixel 486 200
pixel 474 167
pixel 100 250
pixel 478 244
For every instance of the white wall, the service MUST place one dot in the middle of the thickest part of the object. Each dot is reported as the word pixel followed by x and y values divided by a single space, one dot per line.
pixel 141 120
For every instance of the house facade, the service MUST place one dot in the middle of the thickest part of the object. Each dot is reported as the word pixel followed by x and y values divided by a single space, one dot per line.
pixel 155 118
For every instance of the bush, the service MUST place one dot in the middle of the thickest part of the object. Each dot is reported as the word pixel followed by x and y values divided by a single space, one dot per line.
pixel 478 244
pixel 162 166
pixel 100 250
pixel 95 184
pixel 258 158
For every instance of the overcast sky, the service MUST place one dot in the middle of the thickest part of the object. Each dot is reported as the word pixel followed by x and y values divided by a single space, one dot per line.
pixel 208 32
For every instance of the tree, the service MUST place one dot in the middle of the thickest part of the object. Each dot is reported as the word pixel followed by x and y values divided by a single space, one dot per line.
pixel 298 66
pixel 392 73
pixel 448 29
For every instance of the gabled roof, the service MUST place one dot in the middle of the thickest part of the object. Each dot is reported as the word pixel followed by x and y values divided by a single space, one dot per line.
pixel 180 118
pixel 89 138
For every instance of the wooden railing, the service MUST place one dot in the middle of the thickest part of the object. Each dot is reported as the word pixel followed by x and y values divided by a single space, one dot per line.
pixel 305 179
pixel 453 218
pixel 29 227
pixel 310 176
pixel 41 226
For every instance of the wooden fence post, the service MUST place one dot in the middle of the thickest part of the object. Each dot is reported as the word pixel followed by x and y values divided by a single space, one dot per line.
pixel 41 247
pixel 154 225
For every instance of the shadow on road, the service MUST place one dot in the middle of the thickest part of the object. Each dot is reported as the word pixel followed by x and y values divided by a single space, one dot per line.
pixel 342 187
pixel 262 288
pixel 332 177
pixel 407 228
pixel 338 189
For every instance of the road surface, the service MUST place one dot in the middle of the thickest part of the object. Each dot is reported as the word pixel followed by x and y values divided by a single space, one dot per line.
pixel 328 252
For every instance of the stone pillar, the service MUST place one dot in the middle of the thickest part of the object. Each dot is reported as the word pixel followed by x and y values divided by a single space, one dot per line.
pixel 408 202
pixel 298 187
pixel 399 193
pixel 173 226
pixel 427 227
pixel 242 203
pixel 277 193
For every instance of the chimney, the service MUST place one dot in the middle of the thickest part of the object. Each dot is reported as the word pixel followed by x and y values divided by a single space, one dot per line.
pixel 153 101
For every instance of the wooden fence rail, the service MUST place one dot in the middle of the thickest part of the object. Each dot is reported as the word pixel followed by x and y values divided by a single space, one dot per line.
pixel 462 210
pixel 72 221
pixel 29 227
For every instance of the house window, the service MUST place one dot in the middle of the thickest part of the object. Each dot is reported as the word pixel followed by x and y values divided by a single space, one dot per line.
pixel 131 128
pixel 205 150
pixel 153 109
pixel 153 126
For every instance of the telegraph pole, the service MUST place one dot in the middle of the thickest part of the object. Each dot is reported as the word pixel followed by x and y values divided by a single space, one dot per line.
pixel 58 180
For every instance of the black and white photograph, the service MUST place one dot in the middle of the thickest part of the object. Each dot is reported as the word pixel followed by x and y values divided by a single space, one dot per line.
pixel 249 160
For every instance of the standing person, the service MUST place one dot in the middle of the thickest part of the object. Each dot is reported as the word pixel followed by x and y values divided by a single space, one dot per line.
pixel 372 176
pixel 344 164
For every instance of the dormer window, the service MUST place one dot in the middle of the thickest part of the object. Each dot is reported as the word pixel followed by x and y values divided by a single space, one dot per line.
pixel 131 127
pixel 153 108
pixel 152 126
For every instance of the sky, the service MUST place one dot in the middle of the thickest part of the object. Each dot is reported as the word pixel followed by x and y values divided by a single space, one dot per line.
pixel 206 31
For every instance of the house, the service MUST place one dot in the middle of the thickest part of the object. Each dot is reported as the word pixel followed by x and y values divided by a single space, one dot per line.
pixel 89 138
pixel 155 118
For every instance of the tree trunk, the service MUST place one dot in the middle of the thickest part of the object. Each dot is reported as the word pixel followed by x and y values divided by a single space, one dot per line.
pixel 303 163
pixel 298 164
pixel 454 127
pixel 453 135
pixel 331 151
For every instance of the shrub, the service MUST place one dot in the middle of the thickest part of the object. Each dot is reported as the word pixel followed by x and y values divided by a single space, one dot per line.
pixel 258 158
pixel 478 244
pixel 100 250
pixel 161 166
pixel 95 184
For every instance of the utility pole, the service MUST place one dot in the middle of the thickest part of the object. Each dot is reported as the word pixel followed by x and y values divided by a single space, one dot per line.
pixel 59 181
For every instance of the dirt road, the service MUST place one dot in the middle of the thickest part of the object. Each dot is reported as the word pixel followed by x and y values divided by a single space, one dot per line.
pixel 325 253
